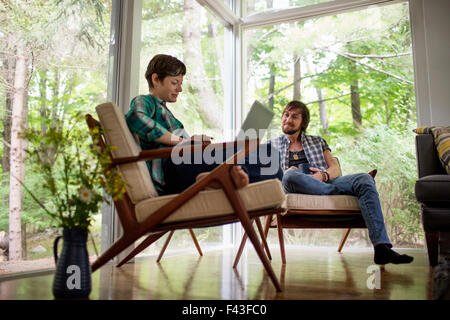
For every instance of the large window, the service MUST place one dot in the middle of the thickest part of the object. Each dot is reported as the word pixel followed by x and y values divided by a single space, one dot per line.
pixel 56 55
pixel 186 30
pixel 354 71
pixel 351 65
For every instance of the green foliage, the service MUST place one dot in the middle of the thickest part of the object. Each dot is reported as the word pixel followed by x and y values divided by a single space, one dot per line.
pixel 170 19
pixel 74 178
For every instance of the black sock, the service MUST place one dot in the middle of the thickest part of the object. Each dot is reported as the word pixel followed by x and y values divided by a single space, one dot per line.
pixel 384 254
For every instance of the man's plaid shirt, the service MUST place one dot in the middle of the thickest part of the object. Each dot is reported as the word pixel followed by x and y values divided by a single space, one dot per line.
pixel 314 147
pixel 149 119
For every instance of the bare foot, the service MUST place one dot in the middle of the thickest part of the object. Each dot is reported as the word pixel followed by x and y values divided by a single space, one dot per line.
pixel 212 185
pixel 240 178
pixel 238 175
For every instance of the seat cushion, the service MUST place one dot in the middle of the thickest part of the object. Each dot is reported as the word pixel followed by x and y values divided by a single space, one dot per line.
pixel 433 189
pixel 136 175
pixel 316 202
pixel 214 203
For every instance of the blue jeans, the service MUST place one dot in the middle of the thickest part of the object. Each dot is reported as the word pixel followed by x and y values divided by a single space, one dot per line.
pixel 361 185
pixel 262 164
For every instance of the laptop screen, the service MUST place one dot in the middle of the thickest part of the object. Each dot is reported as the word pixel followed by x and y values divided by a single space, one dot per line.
pixel 256 122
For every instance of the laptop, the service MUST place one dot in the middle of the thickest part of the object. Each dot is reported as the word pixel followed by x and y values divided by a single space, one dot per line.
pixel 256 122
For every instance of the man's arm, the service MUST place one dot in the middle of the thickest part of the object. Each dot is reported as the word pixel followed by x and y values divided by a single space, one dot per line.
pixel 333 168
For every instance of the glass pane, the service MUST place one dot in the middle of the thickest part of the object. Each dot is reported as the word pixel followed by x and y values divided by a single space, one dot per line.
pixel 229 3
pixel 64 70
pixel 357 80
pixel 255 6
pixel 186 30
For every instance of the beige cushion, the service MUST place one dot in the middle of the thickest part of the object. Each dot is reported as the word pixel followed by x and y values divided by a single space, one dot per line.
pixel 136 175
pixel 314 202
pixel 214 203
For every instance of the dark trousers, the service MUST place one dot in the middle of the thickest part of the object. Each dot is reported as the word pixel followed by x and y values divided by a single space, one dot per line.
pixel 261 164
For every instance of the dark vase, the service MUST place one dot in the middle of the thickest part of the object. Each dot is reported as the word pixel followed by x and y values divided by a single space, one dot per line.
pixel 73 271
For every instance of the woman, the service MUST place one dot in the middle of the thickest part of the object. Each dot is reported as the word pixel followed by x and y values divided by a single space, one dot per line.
pixel 156 127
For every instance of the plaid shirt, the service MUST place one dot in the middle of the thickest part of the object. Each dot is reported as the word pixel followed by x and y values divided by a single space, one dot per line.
pixel 149 119
pixel 314 147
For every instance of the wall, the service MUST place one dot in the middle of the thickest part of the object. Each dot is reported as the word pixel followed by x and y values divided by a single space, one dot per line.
pixel 430 25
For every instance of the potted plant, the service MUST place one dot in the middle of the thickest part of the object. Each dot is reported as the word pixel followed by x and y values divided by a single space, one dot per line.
pixel 74 173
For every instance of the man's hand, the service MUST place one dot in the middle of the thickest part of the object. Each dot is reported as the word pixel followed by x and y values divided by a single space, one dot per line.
pixel 317 174
pixel 290 168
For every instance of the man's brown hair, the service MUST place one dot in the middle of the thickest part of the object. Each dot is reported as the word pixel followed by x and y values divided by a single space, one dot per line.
pixel 298 105
pixel 164 65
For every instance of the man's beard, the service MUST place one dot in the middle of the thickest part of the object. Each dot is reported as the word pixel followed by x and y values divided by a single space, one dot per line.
pixel 290 131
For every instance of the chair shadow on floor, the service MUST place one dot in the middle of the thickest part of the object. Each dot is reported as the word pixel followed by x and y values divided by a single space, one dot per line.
pixel 187 285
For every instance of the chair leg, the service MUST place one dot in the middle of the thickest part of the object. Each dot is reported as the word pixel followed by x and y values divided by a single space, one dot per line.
pixel 259 250
pixel 244 240
pixel 264 240
pixel 241 212
pixel 281 238
pixel 113 251
pixel 241 249
pixel 165 246
pixel 432 239
pixel 267 225
pixel 344 238
pixel 143 245
pixel 194 238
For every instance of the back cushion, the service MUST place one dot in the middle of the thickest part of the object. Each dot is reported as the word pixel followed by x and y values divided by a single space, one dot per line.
pixel 136 175
pixel 339 165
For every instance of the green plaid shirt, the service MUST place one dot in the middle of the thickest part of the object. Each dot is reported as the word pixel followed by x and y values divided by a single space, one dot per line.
pixel 149 119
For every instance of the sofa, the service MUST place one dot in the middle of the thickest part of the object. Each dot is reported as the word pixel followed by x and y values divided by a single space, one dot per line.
pixel 432 191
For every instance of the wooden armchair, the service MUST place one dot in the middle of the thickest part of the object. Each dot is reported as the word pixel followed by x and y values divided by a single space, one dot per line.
pixel 306 211
pixel 143 213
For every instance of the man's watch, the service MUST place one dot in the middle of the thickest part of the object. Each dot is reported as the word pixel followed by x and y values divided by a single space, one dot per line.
pixel 325 176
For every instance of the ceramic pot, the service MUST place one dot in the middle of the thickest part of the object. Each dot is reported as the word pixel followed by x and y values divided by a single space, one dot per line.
pixel 73 272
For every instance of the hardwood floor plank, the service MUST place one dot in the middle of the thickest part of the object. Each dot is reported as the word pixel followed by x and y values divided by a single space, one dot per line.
pixel 310 273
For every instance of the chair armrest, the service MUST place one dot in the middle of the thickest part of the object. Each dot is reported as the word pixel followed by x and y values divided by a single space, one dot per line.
pixel 146 155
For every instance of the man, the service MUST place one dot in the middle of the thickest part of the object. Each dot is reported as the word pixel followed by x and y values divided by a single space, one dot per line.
pixel 309 168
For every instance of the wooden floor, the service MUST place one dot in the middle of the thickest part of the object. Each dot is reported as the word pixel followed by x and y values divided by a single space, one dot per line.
pixel 310 273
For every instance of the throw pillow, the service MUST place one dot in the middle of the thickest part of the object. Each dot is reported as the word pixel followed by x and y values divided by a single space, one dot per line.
pixel 441 137
pixel 423 130
pixel 442 140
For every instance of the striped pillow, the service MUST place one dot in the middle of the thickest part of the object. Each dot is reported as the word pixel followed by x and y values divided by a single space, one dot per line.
pixel 442 141
pixel 423 130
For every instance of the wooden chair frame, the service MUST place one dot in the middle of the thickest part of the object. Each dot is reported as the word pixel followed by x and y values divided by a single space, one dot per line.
pixel 133 230
pixel 311 219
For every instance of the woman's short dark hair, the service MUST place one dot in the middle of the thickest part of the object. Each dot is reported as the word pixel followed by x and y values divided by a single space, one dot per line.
pixel 294 105
pixel 164 65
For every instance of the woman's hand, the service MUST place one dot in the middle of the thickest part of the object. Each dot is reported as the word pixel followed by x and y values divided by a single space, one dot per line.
pixel 203 138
